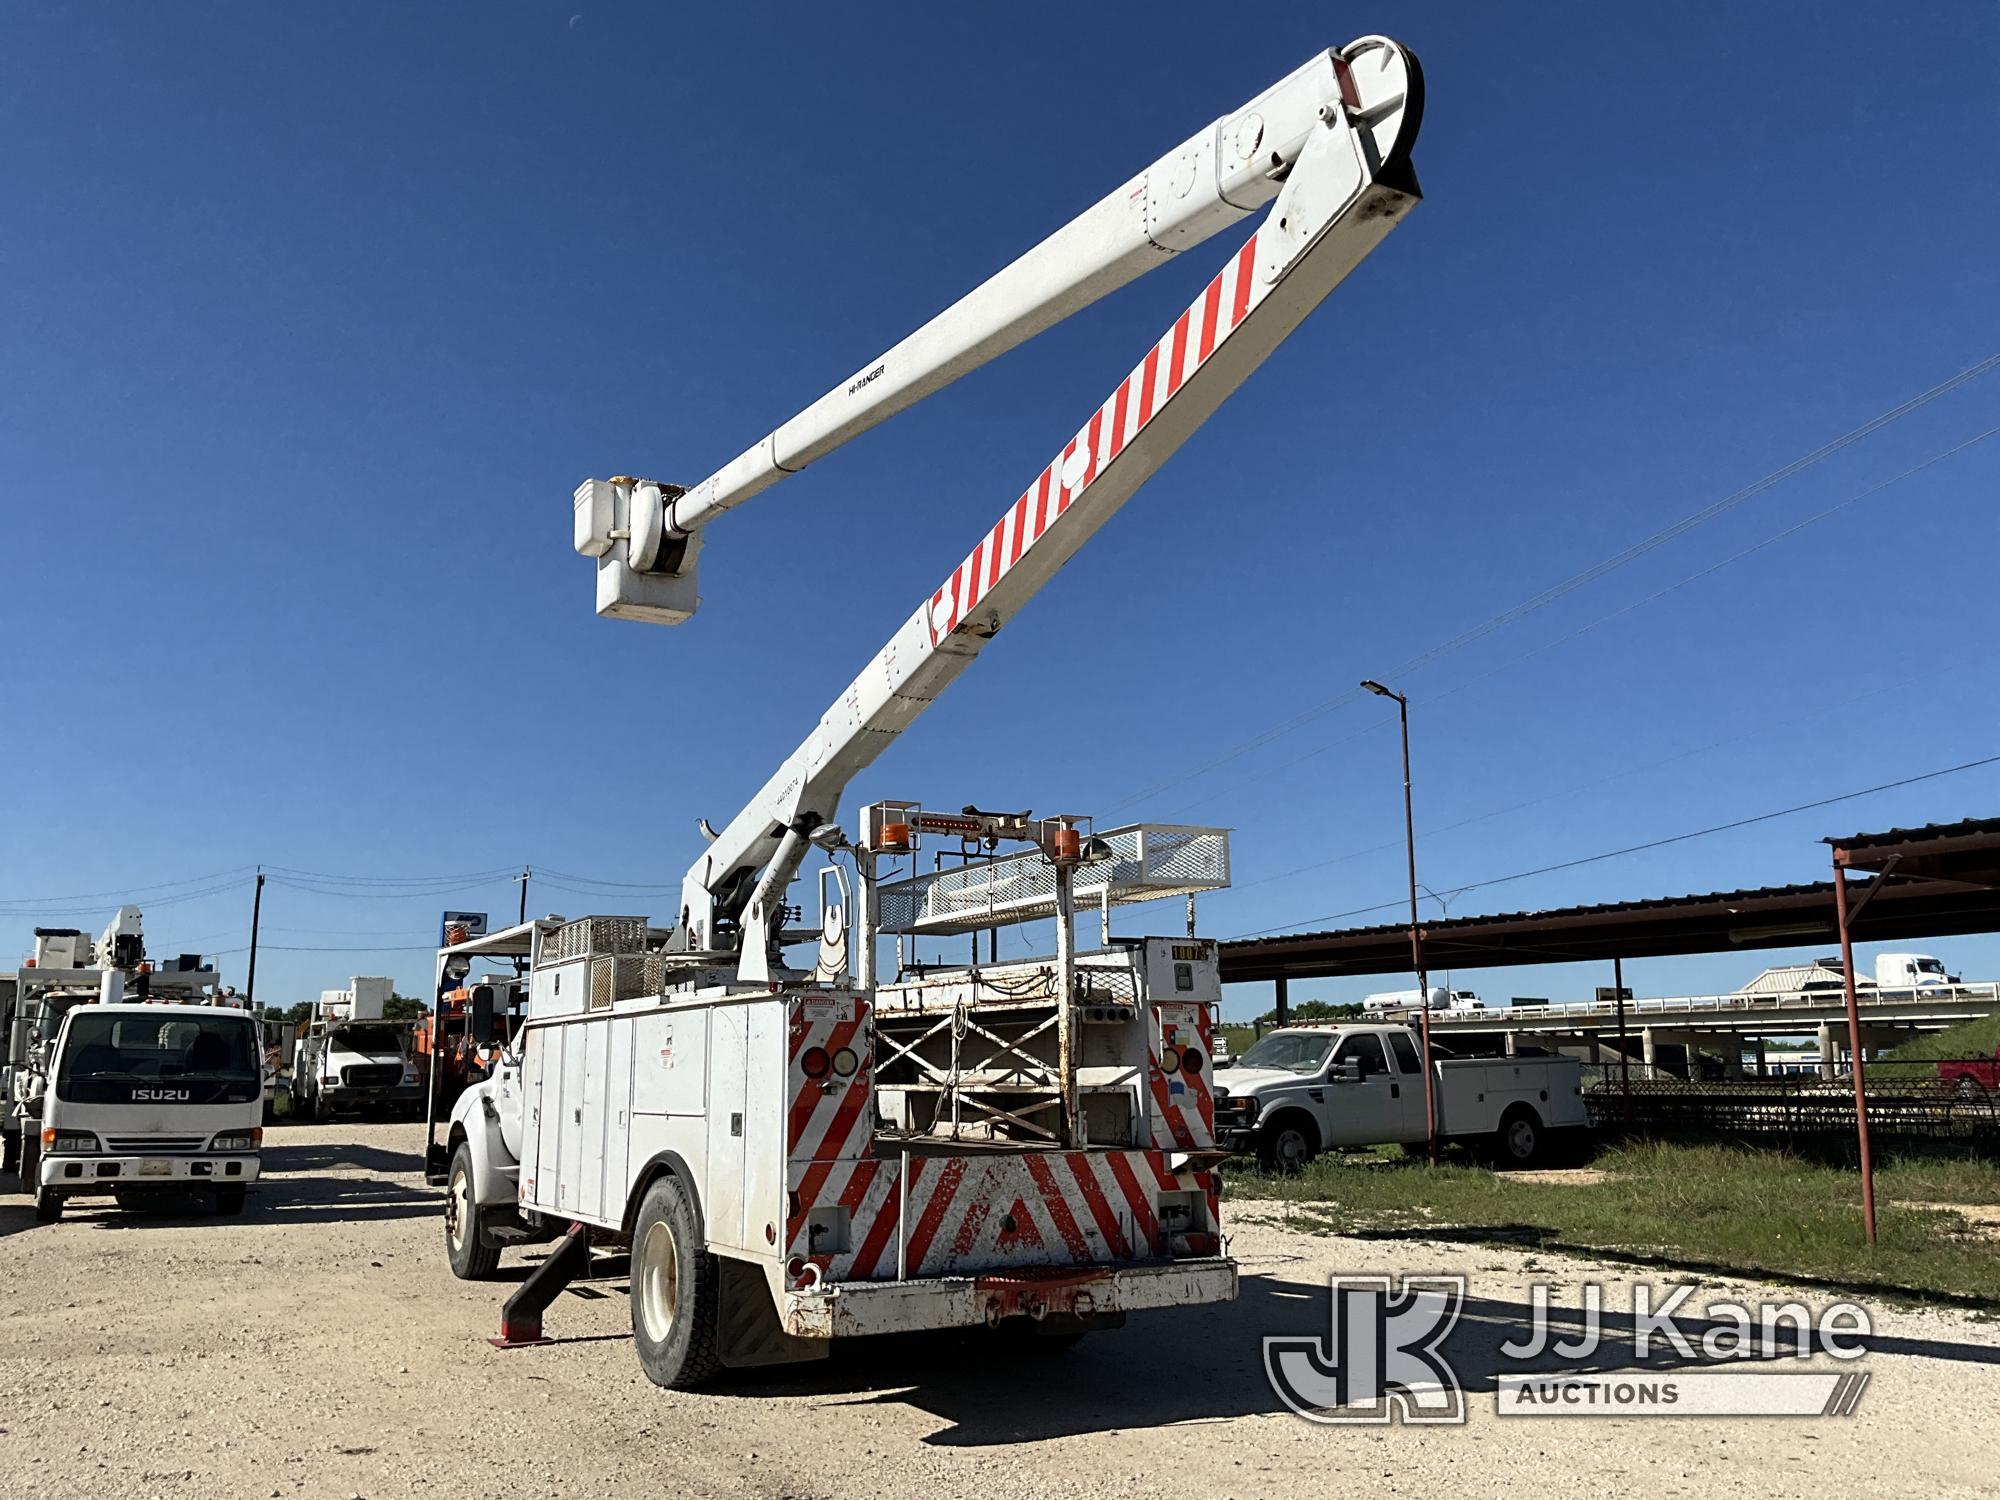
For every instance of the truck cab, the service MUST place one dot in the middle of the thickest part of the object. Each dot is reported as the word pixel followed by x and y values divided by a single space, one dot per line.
pixel 143 1098
pixel 1910 973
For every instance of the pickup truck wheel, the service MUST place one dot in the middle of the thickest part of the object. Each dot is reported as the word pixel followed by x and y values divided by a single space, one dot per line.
pixel 1518 1141
pixel 472 1259
pixel 676 1290
pixel 1288 1143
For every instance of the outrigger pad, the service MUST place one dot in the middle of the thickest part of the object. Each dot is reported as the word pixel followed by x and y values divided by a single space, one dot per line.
pixel 521 1316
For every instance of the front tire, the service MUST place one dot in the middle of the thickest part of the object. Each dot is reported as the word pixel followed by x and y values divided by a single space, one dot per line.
pixel 1288 1143
pixel 48 1202
pixel 472 1259
pixel 676 1290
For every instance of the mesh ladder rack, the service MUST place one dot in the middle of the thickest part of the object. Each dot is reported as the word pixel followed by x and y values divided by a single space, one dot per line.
pixel 1145 862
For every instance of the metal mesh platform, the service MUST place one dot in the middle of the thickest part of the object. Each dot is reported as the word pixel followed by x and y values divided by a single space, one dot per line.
pixel 1147 861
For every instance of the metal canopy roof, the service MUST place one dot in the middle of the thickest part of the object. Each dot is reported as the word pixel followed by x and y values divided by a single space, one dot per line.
pixel 1963 853
pixel 1956 899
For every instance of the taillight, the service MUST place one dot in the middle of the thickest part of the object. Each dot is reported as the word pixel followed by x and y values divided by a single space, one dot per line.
pixel 815 1062
pixel 846 1062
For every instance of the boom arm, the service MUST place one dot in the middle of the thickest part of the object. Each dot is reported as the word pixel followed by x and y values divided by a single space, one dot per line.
pixel 1347 183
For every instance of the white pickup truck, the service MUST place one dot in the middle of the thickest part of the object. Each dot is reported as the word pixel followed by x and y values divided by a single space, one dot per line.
pixel 1303 1089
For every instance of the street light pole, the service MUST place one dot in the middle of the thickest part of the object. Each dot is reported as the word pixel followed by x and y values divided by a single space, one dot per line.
pixel 1416 932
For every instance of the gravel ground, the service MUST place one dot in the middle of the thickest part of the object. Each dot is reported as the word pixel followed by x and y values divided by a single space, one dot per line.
pixel 319 1346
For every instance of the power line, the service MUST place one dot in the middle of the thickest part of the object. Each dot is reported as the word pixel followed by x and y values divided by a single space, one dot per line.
pixel 1660 843
pixel 347 893
pixel 279 948
pixel 139 890
pixel 553 876
pixel 1576 581
pixel 467 877
pixel 1630 608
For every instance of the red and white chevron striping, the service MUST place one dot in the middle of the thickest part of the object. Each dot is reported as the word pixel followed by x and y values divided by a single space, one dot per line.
pixel 1209 319
pixel 976 1213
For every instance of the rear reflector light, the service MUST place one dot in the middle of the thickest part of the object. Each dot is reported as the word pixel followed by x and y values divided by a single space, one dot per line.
pixel 814 1062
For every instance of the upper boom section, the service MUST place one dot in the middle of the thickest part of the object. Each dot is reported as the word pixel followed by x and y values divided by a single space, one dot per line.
pixel 1350 185
pixel 1226 171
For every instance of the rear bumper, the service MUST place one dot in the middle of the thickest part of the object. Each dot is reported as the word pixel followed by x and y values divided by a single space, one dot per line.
pixel 101 1174
pixel 854 1308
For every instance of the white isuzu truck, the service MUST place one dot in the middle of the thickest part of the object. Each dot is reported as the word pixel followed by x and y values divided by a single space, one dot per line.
pixel 127 1076
pixel 794 1153
pixel 150 1098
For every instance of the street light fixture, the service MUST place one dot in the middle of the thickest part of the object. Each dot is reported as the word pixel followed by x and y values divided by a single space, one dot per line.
pixel 1416 933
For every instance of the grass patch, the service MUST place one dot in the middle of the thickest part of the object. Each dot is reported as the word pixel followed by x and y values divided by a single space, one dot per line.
pixel 1757 1212
pixel 1976 1038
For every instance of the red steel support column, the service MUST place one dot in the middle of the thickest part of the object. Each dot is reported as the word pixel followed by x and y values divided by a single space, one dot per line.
pixel 1854 1048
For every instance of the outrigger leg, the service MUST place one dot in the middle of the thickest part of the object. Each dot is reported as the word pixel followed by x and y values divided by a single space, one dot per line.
pixel 521 1317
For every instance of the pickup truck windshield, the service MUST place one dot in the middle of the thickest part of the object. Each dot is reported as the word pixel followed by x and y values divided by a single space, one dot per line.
pixel 1296 1051
pixel 222 1047
pixel 376 1040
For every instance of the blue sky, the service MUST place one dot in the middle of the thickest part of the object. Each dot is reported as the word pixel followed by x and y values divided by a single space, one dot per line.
pixel 314 315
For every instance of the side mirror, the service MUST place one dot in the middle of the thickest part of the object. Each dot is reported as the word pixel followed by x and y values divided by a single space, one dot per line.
pixel 1225 1062
pixel 480 1023
pixel 1348 1070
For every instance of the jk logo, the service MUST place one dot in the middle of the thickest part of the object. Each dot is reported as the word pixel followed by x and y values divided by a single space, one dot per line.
pixel 1380 1362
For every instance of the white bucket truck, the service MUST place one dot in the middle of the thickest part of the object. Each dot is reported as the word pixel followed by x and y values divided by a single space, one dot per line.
pixel 352 1060
pixel 793 1155
pixel 135 1079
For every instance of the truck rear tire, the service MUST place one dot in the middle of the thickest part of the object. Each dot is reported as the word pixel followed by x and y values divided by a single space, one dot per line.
pixel 676 1291
pixel 472 1259
pixel 1287 1143
pixel 1518 1142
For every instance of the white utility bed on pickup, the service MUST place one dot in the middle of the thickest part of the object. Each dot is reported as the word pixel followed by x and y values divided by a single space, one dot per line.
pixel 1304 1089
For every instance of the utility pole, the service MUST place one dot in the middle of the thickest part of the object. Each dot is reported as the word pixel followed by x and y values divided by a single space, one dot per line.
pixel 1416 932
pixel 256 915
pixel 523 879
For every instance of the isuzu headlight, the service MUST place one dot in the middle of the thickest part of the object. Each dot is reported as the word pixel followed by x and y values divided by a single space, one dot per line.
pixel 70 1142
pixel 248 1140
